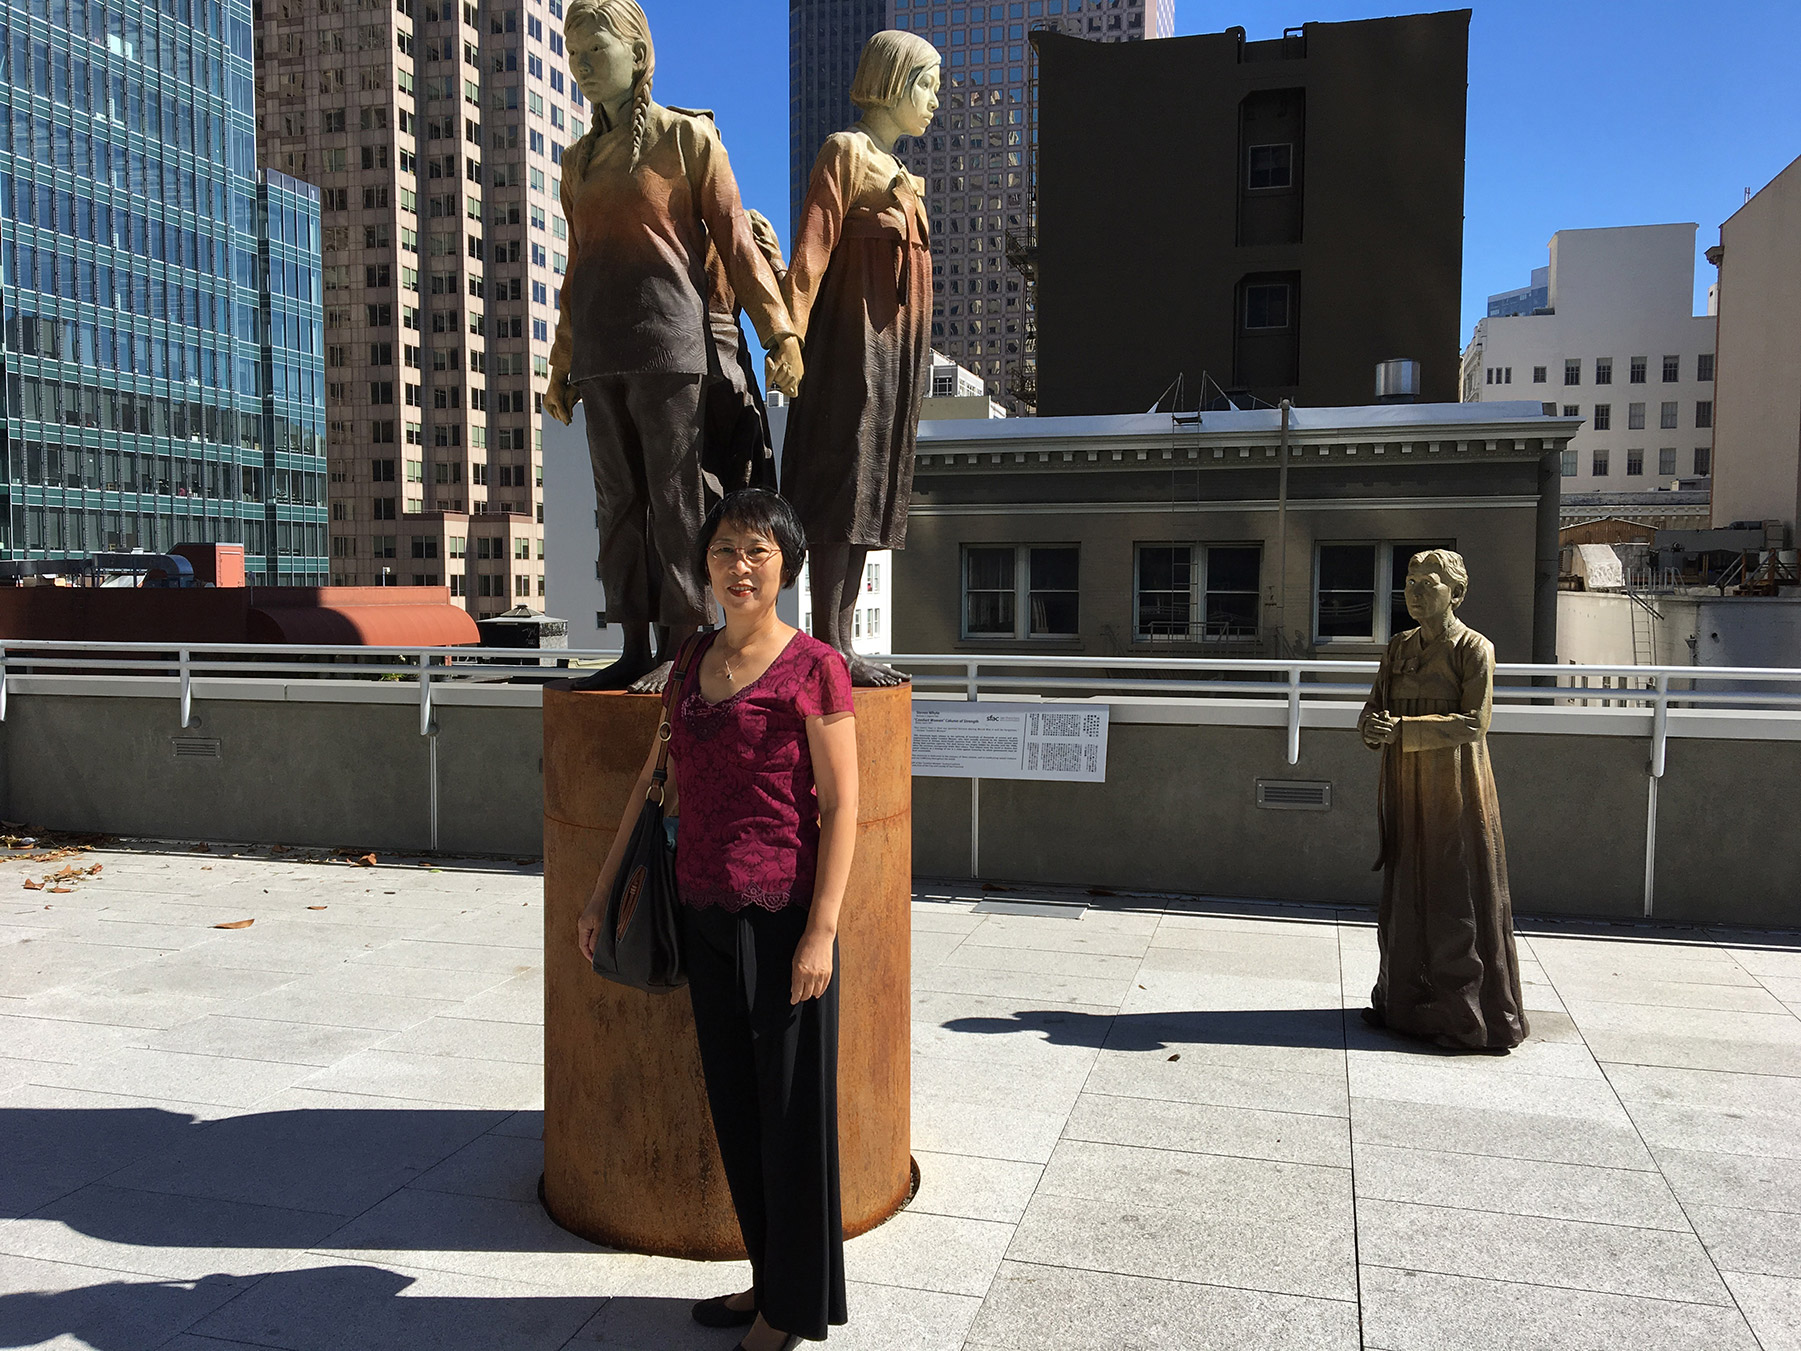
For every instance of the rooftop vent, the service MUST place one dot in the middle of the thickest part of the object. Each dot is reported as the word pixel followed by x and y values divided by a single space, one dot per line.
pixel 1398 381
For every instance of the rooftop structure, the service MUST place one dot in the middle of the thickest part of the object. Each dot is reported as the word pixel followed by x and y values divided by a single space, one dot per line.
pixel 1619 347
pixel 1526 299
pixel 1233 533
pixel 1309 228
pixel 162 347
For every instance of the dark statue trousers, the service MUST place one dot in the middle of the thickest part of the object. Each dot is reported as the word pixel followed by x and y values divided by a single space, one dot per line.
pixel 772 1082
pixel 645 434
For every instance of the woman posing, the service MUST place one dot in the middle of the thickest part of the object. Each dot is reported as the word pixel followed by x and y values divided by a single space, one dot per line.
pixel 764 748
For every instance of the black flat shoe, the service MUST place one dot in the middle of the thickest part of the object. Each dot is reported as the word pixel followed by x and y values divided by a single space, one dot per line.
pixel 716 1313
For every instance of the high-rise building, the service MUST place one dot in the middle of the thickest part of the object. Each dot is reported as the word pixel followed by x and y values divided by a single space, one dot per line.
pixel 1525 299
pixel 825 40
pixel 1255 220
pixel 436 136
pixel 979 161
pixel 1617 344
pixel 144 385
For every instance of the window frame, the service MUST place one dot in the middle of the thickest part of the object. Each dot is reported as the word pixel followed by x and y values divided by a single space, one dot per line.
pixel 1250 167
pixel 1381 615
pixel 1199 575
pixel 1287 307
pixel 1022 593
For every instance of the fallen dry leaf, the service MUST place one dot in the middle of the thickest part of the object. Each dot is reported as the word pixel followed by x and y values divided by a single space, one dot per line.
pixel 201 849
pixel 206 867
pixel 33 886
pixel 366 861
pixel 236 924
pixel 61 891
pixel 1176 1056
pixel 315 907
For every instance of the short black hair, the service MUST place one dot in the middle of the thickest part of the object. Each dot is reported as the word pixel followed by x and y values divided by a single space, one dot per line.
pixel 766 513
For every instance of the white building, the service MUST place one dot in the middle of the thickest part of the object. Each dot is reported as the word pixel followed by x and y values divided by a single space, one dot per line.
pixel 1620 347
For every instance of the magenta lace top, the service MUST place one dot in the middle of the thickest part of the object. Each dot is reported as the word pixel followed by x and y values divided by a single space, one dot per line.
pixel 749 831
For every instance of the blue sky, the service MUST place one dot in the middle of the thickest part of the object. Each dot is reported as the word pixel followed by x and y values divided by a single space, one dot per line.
pixel 1582 113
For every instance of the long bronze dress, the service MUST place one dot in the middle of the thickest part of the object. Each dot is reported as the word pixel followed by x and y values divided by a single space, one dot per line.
pixel 859 290
pixel 1450 971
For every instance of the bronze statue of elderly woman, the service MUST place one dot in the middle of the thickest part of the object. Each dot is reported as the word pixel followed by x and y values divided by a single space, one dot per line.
pixel 1450 972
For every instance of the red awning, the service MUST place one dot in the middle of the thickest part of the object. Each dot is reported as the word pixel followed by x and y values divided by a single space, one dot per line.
pixel 389 625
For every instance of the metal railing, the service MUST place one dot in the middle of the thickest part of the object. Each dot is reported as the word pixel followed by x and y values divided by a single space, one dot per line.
pixel 1293 686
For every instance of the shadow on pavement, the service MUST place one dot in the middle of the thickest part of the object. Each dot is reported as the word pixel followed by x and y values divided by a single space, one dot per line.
pixel 1326 1028
pixel 344 1306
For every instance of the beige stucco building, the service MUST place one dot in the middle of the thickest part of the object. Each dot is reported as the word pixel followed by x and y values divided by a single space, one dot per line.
pixel 1151 535
pixel 435 134
pixel 1757 433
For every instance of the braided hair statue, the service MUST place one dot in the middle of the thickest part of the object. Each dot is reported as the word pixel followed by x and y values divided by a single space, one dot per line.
pixel 648 194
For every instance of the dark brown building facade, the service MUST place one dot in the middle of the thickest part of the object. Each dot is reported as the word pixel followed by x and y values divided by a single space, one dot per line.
pixel 1294 210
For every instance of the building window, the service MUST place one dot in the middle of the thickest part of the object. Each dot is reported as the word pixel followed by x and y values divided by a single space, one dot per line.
pixel 1704 412
pixel 1603 417
pixel 1638 369
pixel 1345 592
pixel 1569 464
pixel 1672 370
pixel 1603 370
pixel 1667 417
pixel 1635 464
pixel 1271 166
pixel 1266 306
pixel 1703 461
pixel 1572 372
pixel 1666 463
pixel 1027 591
pixel 1635 417
pixel 1572 410
pixel 1538 375
pixel 1600 464
pixel 1178 582
pixel 1704 367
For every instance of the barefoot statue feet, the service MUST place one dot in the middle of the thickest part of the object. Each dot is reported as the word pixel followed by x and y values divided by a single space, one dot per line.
pixel 867 674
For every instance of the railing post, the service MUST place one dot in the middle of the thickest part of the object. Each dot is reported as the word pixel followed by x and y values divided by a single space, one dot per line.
pixel 425 708
pixel 971 682
pixel 2 684
pixel 1660 740
pixel 1294 714
pixel 187 691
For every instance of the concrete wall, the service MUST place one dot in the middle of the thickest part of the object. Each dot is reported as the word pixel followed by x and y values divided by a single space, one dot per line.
pixel 344 765
pixel 1757 431
pixel 1596 628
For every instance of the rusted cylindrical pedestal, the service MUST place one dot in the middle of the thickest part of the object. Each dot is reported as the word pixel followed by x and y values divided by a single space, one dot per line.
pixel 629 1154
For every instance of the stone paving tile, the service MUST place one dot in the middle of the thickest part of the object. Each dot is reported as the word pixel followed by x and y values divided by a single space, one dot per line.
pixel 263 1039
pixel 1034 987
pixel 1153 1075
pixel 1756 1242
pixel 971 1188
pixel 1518 1187
pixel 212 1079
pixel 500 1167
pixel 1051 1308
pixel 1478 1130
pixel 1568 1254
pixel 921 1251
pixel 77 1308
pixel 1284 1137
pixel 1425 1311
pixel 1250 1223
pixel 403 1077
pixel 521 1043
pixel 1772 1305
pixel 1744 1181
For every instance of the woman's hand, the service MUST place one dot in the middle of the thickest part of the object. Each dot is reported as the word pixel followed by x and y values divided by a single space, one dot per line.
pixel 812 965
pixel 587 928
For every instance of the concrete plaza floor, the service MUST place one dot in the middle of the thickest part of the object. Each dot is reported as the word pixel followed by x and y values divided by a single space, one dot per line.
pixel 1157 1124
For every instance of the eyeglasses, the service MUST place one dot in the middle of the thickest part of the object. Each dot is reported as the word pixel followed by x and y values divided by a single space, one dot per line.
pixel 721 555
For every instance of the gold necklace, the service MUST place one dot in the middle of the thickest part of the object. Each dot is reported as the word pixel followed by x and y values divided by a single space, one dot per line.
pixel 727 662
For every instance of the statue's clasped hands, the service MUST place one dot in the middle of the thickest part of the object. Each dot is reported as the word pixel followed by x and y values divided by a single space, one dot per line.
pixel 784 368
pixel 560 397
pixel 1381 729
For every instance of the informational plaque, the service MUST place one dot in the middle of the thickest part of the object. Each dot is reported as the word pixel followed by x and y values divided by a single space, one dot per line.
pixel 961 740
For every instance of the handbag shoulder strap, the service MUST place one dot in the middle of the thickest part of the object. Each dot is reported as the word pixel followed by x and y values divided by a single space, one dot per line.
pixel 678 676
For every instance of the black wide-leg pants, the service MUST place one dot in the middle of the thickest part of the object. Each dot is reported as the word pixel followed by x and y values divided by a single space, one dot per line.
pixel 772 1083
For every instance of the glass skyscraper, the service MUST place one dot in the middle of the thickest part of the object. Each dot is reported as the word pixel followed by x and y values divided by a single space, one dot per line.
pixel 825 41
pixel 162 325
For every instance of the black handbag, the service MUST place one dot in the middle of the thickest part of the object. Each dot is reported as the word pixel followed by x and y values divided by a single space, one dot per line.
pixel 640 938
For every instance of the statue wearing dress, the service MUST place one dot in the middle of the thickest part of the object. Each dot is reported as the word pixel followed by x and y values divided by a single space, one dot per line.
pixel 650 197
pixel 1450 972
pixel 859 291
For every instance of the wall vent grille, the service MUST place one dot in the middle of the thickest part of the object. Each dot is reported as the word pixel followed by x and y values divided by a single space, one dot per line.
pixel 1294 795
pixel 195 747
